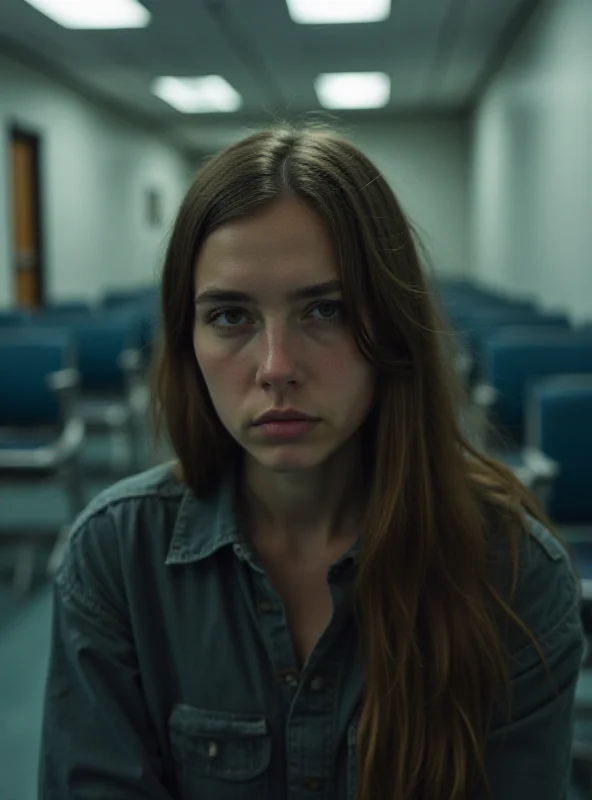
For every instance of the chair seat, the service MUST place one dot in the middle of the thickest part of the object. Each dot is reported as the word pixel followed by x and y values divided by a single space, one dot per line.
pixel 28 445
pixel 108 412
pixel 36 454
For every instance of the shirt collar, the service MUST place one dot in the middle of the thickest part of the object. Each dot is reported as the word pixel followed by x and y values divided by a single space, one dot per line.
pixel 206 525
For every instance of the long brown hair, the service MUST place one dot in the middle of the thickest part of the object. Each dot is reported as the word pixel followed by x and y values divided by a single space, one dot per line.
pixel 428 610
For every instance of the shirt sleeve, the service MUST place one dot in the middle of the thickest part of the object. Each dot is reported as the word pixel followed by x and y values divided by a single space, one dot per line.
pixel 529 753
pixel 97 738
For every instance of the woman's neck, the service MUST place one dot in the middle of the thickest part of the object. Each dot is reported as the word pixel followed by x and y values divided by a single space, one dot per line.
pixel 304 511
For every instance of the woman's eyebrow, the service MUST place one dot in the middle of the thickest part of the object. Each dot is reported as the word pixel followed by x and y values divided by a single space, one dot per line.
pixel 215 295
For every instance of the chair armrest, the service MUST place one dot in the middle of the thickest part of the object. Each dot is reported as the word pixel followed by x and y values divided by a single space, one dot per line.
pixel 541 466
pixel 130 361
pixel 65 384
pixel 72 438
pixel 484 396
pixel 463 364
pixel 47 457
pixel 63 380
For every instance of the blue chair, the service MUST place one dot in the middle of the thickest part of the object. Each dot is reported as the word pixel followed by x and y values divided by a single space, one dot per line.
pixel 513 361
pixel 68 307
pixel 40 432
pixel 560 428
pixel 13 319
pixel 147 310
pixel 108 358
pixel 477 324
pixel 122 297
pixel 113 300
pixel 145 304
pixel 494 323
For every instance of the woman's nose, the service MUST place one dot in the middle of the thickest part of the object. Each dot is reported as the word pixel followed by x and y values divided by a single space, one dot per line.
pixel 278 362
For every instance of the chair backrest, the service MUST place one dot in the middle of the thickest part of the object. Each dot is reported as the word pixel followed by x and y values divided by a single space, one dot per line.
pixel 512 363
pixel 99 340
pixel 27 358
pixel 491 324
pixel 472 314
pixel 124 297
pixel 561 426
pixel 67 307
pixel 146 308
pixel 13 319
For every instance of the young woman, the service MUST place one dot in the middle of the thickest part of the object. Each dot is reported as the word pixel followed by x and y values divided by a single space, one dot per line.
pixel 330 593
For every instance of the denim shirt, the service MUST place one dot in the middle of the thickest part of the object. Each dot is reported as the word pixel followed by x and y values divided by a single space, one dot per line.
pixel 172 673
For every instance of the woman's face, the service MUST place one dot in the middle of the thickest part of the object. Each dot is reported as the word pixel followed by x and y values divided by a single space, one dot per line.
pixel 265 347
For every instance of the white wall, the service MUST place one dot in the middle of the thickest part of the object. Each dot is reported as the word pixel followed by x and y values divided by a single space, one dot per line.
pixel 532 165
pixel 426 161
pixel 97 167
pixel 95 170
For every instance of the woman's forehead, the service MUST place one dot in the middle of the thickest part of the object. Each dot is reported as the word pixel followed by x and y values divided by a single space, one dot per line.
pixel 286 245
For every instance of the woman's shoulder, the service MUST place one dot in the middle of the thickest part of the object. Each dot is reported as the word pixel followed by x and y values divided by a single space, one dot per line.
pixel 127 524
pixel 539 550
pixel 541 585
pixel 140 498
pixel 545 648
pixel 157 482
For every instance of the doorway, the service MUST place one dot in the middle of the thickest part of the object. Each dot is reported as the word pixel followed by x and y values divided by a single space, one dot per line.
pixel 26 219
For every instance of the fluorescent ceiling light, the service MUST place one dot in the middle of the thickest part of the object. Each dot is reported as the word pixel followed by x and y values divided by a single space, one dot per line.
pixel 337 11
pixel 353 89
pixel 198 95
pixel 98 14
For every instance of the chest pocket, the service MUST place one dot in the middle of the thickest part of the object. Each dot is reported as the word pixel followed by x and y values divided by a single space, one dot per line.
pixel 220 755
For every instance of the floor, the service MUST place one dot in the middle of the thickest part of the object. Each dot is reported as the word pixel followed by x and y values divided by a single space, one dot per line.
pixel 24 643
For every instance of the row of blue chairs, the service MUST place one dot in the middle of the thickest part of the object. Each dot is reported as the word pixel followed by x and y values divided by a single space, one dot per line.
pixel 529 373
pixel 144 307
pixel 512 348
pixel 70 372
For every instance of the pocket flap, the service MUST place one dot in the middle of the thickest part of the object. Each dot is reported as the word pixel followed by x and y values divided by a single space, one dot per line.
pixel 200 722
pixel 220 744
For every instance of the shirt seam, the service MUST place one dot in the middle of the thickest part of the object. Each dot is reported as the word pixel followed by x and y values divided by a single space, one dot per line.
pixel 72 589
pixel 100 506
pixel 565 622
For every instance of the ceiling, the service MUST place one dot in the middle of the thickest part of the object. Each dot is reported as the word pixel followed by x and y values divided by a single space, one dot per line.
pixel 439 54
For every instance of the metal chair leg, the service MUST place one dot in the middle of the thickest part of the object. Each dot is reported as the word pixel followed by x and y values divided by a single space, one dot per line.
pixel 75 487
pixel 23 569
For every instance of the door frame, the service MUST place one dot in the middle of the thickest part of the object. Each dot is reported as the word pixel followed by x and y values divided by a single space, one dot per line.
pixel 33 138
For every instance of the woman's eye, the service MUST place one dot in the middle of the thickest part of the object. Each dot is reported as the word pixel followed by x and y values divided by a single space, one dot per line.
pixel 229 318
pixel 230 314
pixel 331 311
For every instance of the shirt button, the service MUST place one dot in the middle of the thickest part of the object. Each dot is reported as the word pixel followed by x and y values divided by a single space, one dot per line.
pixel 212 750
pixel 239 552
pixel 317 684
pixel 290 678
pixel 314 784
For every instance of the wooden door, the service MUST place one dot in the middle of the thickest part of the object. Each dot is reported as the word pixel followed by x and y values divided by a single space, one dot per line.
pixel 25 220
